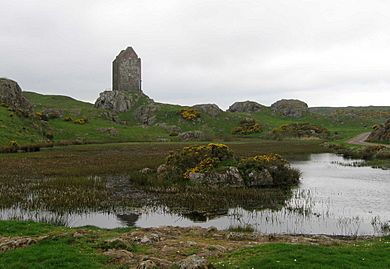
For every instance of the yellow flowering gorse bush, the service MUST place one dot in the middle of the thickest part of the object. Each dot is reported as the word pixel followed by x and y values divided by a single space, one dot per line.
pixel 189 114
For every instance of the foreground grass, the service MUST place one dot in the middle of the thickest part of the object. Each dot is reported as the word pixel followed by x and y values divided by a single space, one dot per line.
pixel 62 249
pixel 360 254
pixel 59 250
pixel 54 253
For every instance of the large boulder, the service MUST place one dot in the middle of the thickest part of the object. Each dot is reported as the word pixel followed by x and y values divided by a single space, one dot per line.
pixel 120 101
pixel 146 114
pixel 259 178
pixel 52 113
pixel 210 109
pixel 171 129
pixel 194 262
pixel 11 96
pixel 230 176
pixel 246 106
pixel 290 108
pixel 192 136
pixel 380 133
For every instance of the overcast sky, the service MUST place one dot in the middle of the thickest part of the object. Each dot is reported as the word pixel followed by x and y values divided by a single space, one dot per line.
pixel 327 53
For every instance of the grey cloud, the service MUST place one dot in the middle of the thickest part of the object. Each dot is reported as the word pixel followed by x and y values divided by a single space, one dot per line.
pixel 198 51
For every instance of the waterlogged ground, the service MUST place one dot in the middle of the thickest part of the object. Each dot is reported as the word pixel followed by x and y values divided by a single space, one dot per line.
pixel 335 196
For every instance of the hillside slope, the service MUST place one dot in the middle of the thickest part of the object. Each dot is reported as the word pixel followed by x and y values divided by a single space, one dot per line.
pixel 66 120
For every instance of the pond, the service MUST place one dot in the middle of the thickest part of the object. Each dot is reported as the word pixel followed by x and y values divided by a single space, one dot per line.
pixel 335 197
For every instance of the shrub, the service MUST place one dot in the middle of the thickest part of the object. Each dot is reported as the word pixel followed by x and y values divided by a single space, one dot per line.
pixel 80 121
pixel 300 130
pixel 189 114
pixel 68 118
pixel 370 152
pixel 49 135
pixel 247 126
pixel 199 158
pixel 281 171
pixel 41 116
pixel 383 154
pixel 213 160
pixel 13 143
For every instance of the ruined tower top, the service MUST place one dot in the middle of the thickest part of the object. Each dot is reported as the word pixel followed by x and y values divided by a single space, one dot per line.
pixel 126 72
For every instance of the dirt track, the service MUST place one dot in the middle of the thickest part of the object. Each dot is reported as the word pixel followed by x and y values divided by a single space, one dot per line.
pixel 361 140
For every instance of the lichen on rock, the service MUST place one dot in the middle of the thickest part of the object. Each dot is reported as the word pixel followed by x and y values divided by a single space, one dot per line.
pixel 300 130
pixel 11 96
pixel 290 108
pixel 246 106
pixel 118 101
pixel 192 136
pixel 210 109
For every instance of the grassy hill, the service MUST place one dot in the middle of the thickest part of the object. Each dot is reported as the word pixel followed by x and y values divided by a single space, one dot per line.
pixel 97 121
pixel 100 126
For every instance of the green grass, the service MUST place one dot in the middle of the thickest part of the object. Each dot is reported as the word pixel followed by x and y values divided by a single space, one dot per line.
pixel 360 254
pixel 13 127
pixel 53 253
pixel 344 122
pixel 27 228
pixel 89 132
pixel 62 250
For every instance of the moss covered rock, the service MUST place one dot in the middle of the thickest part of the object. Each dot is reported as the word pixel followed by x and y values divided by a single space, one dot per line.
pixel 246 106
pixel 300 130
pixel 381 133
pixel 210 109
pixel 290 108
pixel 11 96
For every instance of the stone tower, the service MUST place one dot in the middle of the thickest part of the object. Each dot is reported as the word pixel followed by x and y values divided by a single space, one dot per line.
pixel 126 72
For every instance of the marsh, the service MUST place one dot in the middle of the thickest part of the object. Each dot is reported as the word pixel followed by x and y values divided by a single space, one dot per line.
pixel 94 185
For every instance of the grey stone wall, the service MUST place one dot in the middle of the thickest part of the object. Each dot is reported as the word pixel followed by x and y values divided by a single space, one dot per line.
pixel 126 72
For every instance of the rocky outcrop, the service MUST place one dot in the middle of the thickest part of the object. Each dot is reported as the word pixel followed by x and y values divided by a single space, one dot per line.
pixel 11 96
pixel 300 130
pixel 290 108
pixel 259 178
pixel 146 114
pixel 118 101
pixel 246 106
pixel 148 264
pixel 192 136
pixel 194 262
pixel 210 109
pixel 52 113
pixel 111 131
pixel 380 133
pixel 230 176
pixel 171 129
